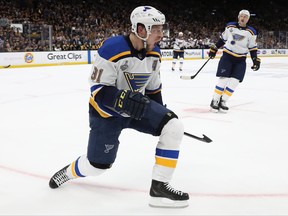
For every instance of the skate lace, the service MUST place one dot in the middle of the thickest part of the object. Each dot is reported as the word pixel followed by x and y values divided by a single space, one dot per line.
pixel 172 190
pixel 215 102
pixel 60 177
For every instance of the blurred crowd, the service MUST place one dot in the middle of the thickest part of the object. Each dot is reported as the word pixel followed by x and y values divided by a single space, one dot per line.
pixel 44 25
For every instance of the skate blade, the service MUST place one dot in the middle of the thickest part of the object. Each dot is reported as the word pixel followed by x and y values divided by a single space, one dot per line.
pixel 222 110
pixel 214 110
pixel 218 111
pixel 160 202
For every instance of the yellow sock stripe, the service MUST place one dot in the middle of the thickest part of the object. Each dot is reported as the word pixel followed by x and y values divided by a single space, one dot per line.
pixel 218 92
pixel 73 170
pixel 166 162
pixel 227 93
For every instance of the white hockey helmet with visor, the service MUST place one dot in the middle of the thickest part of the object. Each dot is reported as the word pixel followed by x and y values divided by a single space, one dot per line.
pixel 244 12
pixel 147 16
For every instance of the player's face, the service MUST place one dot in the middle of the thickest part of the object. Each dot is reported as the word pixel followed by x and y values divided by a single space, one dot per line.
pixel 155 36
pixel 243 19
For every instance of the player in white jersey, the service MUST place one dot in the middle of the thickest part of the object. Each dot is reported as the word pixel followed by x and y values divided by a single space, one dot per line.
pixel 238 39
pixel 178 51
pixel 126 93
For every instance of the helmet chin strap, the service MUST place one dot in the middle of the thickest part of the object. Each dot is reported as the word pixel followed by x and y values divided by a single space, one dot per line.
pixel 143 39
pixel 145 44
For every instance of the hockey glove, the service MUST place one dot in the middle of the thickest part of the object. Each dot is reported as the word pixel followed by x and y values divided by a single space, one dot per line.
pixel 256 64
pixel 133 104
pixel 213 51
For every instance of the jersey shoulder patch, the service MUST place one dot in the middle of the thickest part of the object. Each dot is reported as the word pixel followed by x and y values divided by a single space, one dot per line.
pixel 114 48
pixel 155 52
pixel 231 24
pixel 252 30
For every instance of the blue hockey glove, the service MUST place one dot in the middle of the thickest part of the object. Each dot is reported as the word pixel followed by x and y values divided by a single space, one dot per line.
pixel 256 64
pixel 213 51
pixel 133 104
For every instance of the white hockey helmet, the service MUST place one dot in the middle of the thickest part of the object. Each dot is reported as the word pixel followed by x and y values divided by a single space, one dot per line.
pixel 148 16
pixel 180 34
pixel 245 12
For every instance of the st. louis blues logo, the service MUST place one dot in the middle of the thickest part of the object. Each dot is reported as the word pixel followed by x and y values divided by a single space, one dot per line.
pixel 237 37
pixel 146 8
pixel 108 148
pixel 136 80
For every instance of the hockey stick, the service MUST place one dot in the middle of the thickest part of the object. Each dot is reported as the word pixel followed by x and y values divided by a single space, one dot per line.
pixel 203 139
pixel 6 66
pixel 192 77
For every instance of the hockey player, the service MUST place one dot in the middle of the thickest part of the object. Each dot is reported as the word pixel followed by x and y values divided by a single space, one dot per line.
pixel 126 93
pixel 178 51
pixel 238 39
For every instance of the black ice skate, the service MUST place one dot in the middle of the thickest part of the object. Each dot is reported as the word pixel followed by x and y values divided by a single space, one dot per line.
pixel 214 106
pixel 59 178
pixel 222 105
pixel 163 195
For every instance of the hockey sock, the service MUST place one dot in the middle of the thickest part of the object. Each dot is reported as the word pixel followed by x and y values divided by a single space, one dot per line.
pixel 173 64
pixel 82 168
pixel 230 88
pixel 219 88
pixel 181 61
pixel 167 150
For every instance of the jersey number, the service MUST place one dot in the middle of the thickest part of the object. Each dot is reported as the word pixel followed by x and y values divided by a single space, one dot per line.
pixel 96 75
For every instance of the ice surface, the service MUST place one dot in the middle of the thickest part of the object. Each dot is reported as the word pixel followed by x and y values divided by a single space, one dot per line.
pixel 244 171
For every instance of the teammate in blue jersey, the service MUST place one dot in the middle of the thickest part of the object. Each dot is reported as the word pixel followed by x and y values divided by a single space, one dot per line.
pixel 238 39
pixel 125 90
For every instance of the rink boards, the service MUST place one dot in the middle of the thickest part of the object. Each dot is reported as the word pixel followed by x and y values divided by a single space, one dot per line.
pixel 36 59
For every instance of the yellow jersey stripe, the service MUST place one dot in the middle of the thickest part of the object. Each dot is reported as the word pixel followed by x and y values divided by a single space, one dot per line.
pixel 96 107
pixel 119 55
pixel 234 54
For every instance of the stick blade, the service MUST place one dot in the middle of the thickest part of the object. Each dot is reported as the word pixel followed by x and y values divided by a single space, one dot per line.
pixel 186 77
pixel 207 139
pixel 203 139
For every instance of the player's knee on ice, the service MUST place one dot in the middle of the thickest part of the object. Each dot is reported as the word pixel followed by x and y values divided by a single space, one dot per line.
pixel 171 134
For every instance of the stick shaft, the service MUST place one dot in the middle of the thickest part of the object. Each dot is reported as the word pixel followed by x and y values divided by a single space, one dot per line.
pixel 192 77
